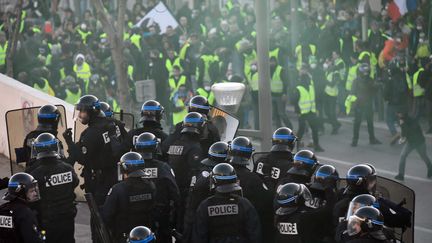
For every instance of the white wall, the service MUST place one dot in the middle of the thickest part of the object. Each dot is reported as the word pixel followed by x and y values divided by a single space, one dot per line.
pixel 16 95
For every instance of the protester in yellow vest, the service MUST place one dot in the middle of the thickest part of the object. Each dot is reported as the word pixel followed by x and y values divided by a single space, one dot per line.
pixel 83 33
pixel 279 89
pixel 176 80
pixel 332 70
pixel 43 85
pixel 352 73
pixel 179 101
pixel 303 52
pixel 82 70
pixel 171 60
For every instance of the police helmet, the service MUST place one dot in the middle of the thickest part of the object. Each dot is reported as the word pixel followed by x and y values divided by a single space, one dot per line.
pixel 89 104
pixel 132 163
pixel 305 163
pixel 361 201
pixel 146 144
pixel 225 178
pixel 240 150
pixel 45 145
pixel 361 178
pixel 366 220
pixel 106 108
pixel 199 104
pixel 325 175
pixel 151 110
pixel 49 115
pixel 217 153
pixel 364 69
pixel 193 122
pixel 283 140
pixel 290 197
pixel 141 234
pixel 22 186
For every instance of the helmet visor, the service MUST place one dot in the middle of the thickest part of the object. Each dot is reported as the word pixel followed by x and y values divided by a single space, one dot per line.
pixel 352 209
pixel 32 192
pixel 354 225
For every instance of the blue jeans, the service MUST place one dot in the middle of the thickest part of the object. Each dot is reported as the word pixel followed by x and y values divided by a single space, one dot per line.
pixel 391 119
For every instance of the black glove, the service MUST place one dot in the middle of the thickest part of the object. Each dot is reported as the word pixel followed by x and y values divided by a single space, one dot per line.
pixel 67 135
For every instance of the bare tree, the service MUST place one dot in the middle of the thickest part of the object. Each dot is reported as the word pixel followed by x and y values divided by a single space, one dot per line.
pixel 115 37
pixel 14 31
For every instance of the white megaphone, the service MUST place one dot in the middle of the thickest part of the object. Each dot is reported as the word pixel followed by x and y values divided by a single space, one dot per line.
pixel 228 95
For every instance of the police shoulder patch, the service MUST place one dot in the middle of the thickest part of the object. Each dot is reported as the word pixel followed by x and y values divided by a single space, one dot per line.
pixel 205 174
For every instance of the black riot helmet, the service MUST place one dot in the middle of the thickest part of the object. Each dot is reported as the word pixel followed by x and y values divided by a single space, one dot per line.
pixel 199 104
pixel 48 115
pixel 225 178
pixel 304 164
pixel 283 140
pixel 45 145
pixel 106 109
pixel 151 110
pixel 325 175
pixel 146 144
pixel 361 201
pixel 361 178
pixel 217 153
pixel 240 150
pixel 141 234
pixel 193 122
pixel 366 220
pixel 132 164
pixel 91 105
pixel 290 197
pixel 22 186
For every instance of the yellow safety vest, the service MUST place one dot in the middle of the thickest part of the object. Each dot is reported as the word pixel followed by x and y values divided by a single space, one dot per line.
pixel 84 73
pixel 253 81
pixel 276 84
pixel 352 75
pixel 179 115
pixel 350 99
pixel 299 55
pixel 342 71
pixel 72 98
pixel 209 95
pixel 415 87
pixel 170 64
pixel 354 40
pixel 175 86
pixel 248 59
pixel 275 53
pixel 130 72
pixel 115 106
pixel 136 40
pixel 183 51
pixel 331 90
pixel 373 61
pixel 46 88
pixel 3 50
pixel 208 60
pixel 306 102
pixel 84 35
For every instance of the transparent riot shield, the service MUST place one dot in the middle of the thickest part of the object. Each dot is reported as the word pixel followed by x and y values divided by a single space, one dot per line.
pixel 21 122
pixel 226 124
pixel 398 194
pixel 98 223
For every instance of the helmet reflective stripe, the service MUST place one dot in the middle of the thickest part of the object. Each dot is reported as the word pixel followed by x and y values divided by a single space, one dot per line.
pixel 305 160
pixel 151 108
pixel 134 162
pixel 200 106
pixel 96 104
pixel 146 143
pixel 193 120
pixel 13 184
pixel 354 176
pixel 218 155
pixel 148 239
pixel 241 148
pixel 108 113
pixel 377 222
pixel 321 174
pixel 376 205
pixel 285 201
pixel 53 115
pixel 46 143
pixel 284 137
pixel 227 177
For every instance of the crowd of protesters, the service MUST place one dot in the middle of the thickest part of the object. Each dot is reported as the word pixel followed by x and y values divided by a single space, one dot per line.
pixel 67 54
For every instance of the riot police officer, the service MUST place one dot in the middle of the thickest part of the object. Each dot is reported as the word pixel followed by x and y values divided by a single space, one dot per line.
pixel 366 226
pixel 132 201
pixel 361 179
pixel 167 196
pixel 226 216
pixel 279 160
pixel 106 109
pixel 185 155
pixel 304 165
pixel 200 184
pixel 293 221
pixel 253 187
pixel 57 181
pixel 151 116
pixel 18 222
pixel 209 134
pixel 48 118
pixel 141 234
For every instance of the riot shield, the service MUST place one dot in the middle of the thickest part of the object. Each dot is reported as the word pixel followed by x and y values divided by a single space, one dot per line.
pixel 97 220
pixel 226 124
pixel 399 194
pixel 19 123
